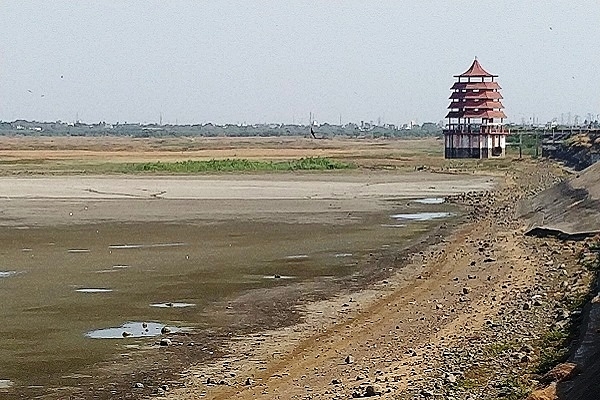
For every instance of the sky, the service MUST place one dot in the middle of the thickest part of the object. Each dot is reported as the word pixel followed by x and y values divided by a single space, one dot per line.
pixel 276 61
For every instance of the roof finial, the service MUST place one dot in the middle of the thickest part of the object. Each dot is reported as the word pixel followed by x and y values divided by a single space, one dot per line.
pixel 475 58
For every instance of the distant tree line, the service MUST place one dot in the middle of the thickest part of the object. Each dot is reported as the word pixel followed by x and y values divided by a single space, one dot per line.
pixel 32 128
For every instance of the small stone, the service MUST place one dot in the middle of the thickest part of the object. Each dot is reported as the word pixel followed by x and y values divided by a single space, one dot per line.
pixel 525 358
pixel 165 342
pixel 138 385
pixel 466 290
pixel 372 390
pixel 526 306
pixel 165 330
pixel 249 381
pixel 527 348
pixel 336 382
pixel 349 359
pixel 126 334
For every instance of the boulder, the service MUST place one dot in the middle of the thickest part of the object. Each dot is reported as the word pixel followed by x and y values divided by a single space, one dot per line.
pixel 548 393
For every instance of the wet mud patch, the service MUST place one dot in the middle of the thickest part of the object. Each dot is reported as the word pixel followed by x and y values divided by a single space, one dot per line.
pixel 241 277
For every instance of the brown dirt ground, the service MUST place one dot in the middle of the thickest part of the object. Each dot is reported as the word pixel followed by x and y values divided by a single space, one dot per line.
pixel 377 326
pixel 389 329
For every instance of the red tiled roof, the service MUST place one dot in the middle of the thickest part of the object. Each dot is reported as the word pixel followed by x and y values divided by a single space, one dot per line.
pixel 475 70
pixel 476 85
pixel 480 104
pixel 485 94
pixel 476 114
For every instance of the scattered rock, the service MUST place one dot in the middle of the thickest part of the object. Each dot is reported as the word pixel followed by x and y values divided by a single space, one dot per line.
pixel 349 359
pixel 548 393
pixel 560 373
pixel 138 385
pixel 165 342
pixel 372 390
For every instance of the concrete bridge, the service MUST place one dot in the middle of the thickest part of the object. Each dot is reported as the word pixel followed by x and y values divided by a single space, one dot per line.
pixel 547 139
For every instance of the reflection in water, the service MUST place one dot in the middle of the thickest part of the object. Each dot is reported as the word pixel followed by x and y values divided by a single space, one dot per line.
pixel 172 305
pixel 5 383
pixel 431 200
pixel 278 277
pixel 423 216
pixel 297 257
pixel 129 329
pixel 145 246
pixel 93 290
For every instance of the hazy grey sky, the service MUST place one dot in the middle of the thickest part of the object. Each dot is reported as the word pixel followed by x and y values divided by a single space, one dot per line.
pixel 275 61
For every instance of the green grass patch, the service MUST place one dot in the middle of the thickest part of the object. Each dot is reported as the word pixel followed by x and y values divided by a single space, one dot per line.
pixel 497 348
pixel 553 349
pixel 514 388
pixel 238 165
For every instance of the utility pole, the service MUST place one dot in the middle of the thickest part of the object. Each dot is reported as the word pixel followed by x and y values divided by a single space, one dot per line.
pixel 520 144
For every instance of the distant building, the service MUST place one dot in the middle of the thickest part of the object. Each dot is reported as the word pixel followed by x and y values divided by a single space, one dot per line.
pixel 475 122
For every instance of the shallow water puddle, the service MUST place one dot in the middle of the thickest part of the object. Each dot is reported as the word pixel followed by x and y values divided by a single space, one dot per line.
pixel 297 257
pixel 431 200
pixel 423 216
pixel 172 305
pixel 129 329
pixel 278 277
pixel 340 255
pixel 5 383
pixel 93 290
pixel 145 246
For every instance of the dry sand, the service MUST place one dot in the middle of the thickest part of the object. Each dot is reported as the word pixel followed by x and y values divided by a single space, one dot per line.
pixel 47 201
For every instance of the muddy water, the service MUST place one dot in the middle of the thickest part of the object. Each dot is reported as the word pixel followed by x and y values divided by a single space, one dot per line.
pixel 68 293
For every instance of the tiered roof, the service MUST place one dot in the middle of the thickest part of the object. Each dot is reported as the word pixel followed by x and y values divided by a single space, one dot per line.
pixel 477 96
pixel 475 70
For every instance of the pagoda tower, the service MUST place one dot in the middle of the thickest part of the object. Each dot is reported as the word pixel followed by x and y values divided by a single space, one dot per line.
pixel 475 127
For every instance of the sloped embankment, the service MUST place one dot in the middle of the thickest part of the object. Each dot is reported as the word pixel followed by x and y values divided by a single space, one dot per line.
pixel 570 209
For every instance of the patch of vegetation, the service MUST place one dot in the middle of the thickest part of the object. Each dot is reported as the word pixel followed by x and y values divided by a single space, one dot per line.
pixel 237 165
pixel 467 383
pixel 514 388
pixel 553 349
pixel 497 348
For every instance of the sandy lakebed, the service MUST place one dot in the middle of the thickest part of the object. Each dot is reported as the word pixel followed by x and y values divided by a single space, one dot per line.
pixel 94 267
